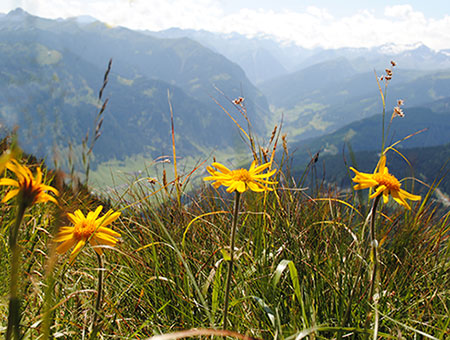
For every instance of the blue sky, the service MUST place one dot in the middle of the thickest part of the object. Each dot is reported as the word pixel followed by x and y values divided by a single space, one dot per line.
pixel 324 23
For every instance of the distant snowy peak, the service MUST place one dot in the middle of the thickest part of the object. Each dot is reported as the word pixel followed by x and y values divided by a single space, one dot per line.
pixel 18 12
pixel 393 49
pixel 85 19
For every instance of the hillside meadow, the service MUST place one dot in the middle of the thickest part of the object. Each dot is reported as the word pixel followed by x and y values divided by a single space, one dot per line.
pixel 258 254
pixel 253 251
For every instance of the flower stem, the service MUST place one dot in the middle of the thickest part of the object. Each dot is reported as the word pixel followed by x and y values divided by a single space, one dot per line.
pixel 230 262
pixel 14 302
pixel 98 301
pixel 374 276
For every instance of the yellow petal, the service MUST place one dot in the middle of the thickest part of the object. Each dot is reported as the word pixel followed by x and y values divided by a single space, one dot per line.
pixel 65 246
pixel 264 181
pixel 409 196
pixel 221 168
pixel 109 219
pixel 9 181
pixel 268 174
pixel 108 231
pixel 252 166
pixel 365 185
pixel 27 172
pixel 232 187
pixel 240 186
pixel 385 196
pixel 261 168
pixel 97 249
pixel 399 199
pixel 79 215
pixel 45 198
pixel 50 188
pixel 255 187
pixel 92 215
pixel 64 235
pixel 379 190
pixel 105 239
pixel 38 179
pixel 382 164
pixel 10 195
pixel 65 229
pixel 76 250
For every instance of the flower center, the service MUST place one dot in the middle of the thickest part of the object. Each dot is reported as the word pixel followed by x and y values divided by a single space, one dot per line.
pixel 241 175
pixel 29 191
pixel 388 180
pixel 84 230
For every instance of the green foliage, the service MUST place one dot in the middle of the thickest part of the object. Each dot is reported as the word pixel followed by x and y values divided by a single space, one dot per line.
pixel 300 265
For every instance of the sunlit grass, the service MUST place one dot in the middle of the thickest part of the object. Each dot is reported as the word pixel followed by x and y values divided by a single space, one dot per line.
pixel 300 264
pixel 301 258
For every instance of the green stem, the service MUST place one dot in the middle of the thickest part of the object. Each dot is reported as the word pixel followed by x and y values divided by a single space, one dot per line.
pixel 98 301
pixel 230 262
pixel 374 281
pixel 383 143
pixel 14 302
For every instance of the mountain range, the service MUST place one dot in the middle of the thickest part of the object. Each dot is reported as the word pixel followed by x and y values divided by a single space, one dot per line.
pixel 326 96
pixel 430 128
pixel 51 72
pixel 264 58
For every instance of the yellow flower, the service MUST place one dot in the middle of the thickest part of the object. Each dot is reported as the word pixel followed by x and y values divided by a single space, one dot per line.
pixel 385 184
pixel 5 158
pixel 89 228
pixel 240 179
pixel 30 189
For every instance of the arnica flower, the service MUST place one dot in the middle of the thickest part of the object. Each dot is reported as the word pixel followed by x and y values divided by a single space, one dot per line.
pixel 30 189
pixel 241 179
pixel 5 158
pixel 384 183
pixel 87 228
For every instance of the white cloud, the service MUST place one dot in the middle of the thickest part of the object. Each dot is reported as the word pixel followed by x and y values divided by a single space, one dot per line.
pixel 315 26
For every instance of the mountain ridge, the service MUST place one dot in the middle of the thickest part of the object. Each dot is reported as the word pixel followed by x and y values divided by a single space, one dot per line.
pixel 58 67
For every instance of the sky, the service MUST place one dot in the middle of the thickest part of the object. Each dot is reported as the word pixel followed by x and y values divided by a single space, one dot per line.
pixel 320 23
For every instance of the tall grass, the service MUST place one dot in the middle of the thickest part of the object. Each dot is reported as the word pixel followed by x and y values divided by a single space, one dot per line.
pixel 301 264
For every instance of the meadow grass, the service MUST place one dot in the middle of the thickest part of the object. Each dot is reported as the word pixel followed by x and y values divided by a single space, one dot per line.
pixel 302 262
pixel 301 265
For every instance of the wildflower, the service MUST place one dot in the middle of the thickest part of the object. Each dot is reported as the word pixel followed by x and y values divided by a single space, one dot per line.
pixel 89 228
pixel 398 112
pixel 393 63
pixel 384 183
pixel 29 189
pixel 238 101
pixel 240 179
pixel 388 72
pixel 5 159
